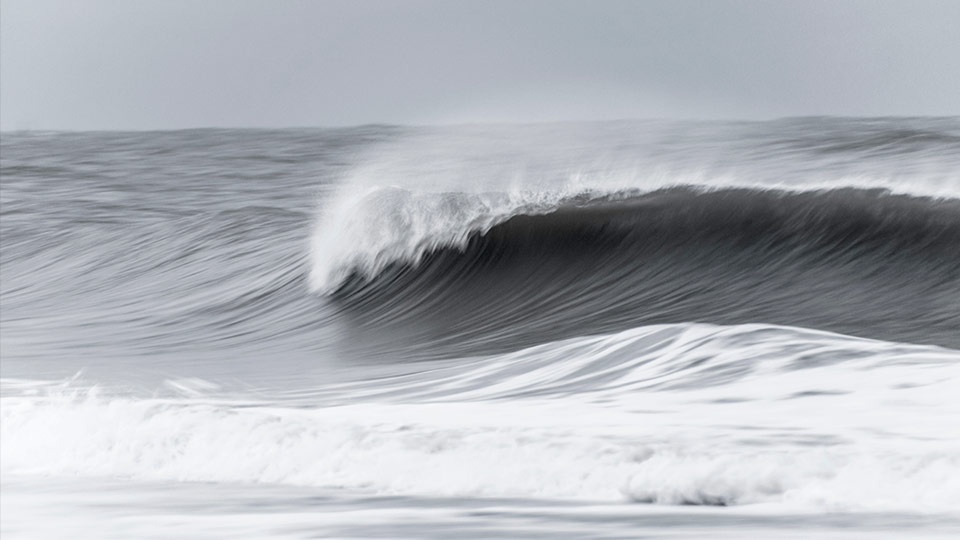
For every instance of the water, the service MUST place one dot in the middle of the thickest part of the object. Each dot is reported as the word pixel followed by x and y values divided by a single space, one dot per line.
pixel 607 330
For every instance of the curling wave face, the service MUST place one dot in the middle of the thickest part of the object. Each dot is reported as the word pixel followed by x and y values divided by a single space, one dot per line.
pixel 860 262
pixel 673 313
pixel 848 227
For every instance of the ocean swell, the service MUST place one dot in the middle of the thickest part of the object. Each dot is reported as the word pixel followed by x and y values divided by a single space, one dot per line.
pixel 862 262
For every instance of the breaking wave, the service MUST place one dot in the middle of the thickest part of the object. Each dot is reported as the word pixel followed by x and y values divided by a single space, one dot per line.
pixel 483 268
pixel 697 313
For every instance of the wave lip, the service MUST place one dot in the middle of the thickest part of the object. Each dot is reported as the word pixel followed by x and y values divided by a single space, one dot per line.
pixel 366 229
pixel 861 262
pixel 381 226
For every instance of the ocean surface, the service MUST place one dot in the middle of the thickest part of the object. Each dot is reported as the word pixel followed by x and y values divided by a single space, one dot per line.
pixel 593 330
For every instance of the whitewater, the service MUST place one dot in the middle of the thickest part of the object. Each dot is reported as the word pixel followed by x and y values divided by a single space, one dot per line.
pixel 598 330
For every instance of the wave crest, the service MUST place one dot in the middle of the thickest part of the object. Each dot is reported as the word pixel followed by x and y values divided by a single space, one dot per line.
pixel 861 262
pixel 366 229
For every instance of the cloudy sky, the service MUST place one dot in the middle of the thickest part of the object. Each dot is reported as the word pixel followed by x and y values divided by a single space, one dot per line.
pixel 144 64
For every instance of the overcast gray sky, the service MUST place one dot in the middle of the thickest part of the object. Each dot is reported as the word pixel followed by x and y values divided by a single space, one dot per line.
pixel 129 64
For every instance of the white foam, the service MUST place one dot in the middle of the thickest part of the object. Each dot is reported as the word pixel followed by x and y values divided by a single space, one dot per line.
pixel 364 229
pixel 875 431
pixel 437 189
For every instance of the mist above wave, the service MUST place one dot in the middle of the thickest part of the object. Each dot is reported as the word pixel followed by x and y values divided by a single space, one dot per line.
pixel 192 252
pixel 366 229
pixel 435 187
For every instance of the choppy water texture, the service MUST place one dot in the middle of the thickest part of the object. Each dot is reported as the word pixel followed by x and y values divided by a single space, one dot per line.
pixel 607 330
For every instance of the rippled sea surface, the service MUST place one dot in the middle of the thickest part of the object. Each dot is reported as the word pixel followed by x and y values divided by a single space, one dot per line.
pixel 609 330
